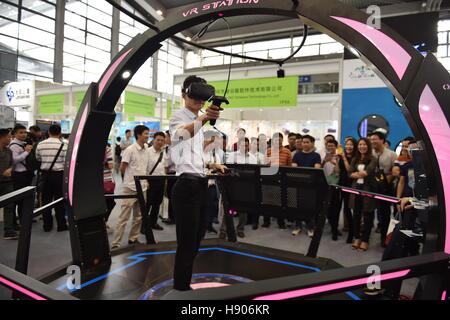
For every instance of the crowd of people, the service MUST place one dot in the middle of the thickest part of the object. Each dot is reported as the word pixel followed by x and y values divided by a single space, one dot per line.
pixel 27 159
pixel 367 164
pixel 32 158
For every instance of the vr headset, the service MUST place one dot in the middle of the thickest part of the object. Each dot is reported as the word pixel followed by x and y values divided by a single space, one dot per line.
pixel 200 91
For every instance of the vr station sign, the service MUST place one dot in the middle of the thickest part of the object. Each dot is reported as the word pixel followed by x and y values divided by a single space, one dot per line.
pixel 216 5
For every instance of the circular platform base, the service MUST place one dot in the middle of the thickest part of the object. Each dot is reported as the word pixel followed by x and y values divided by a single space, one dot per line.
pixel 199 281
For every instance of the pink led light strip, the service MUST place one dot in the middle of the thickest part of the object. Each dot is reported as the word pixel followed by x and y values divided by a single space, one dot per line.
pixel 444 296
pixel 331 287
pixel 109 73
pixel 21 290
pixel 387 199
pixel 73 160
pixel 438 129
pixel 397 57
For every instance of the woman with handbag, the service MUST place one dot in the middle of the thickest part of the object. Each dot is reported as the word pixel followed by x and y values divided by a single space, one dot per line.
pixel 108 182
pixel 361 173
pixel 343 168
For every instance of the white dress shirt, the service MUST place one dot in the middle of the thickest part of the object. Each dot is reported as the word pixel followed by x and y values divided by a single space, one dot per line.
pixel 153 159
pixel 241 158
pixel 138 160
pixel 187 151
pixel 168 162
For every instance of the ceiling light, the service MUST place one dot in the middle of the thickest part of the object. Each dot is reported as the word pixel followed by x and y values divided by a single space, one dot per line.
pixel 159 12
pixel 188 38
pixel 126 75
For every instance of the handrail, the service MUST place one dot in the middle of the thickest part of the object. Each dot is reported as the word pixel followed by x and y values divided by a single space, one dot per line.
pixel 37 212
pixel 17 195
pixel 29 287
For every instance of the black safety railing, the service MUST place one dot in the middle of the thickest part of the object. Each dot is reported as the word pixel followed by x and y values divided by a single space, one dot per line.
pixel 312 285
pixel 303 286
pixel 28 288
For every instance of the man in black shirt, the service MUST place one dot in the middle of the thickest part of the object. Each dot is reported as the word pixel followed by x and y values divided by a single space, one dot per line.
pixel 307 157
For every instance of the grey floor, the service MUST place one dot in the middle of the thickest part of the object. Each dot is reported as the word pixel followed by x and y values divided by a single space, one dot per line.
pixel 51 250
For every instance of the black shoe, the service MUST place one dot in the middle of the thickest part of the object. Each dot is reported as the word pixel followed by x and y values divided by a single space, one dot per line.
pixel 168 222
pixel 17 228
pixel 240 234
pixel 222 235
pixel 339 234
pixel 282 226
pixel 265 225
pixel 216 221
pixel 255 226
pixel 10 235
pixel 134 242
pixel 211 230
pixel 157 227
pixel 334 237
pixel 377 230
pixel 48 229
pixel 62 229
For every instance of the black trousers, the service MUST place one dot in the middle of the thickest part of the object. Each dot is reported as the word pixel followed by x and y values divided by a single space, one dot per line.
pixel 190 204
pixel 348 214
pixel 53 190
pixel 110 204
pixel 384 215
pixel 22 180
pixel 334 211
pixel 155 195
pixel 367 216
pixel 170 184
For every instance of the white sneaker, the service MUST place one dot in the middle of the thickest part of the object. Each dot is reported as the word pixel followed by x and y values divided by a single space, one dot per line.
pixel 310 233
pixel 296 231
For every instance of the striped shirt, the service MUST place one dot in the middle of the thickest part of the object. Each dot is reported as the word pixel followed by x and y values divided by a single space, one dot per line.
pixel 107 172
pixel 46 152
pixel 281 158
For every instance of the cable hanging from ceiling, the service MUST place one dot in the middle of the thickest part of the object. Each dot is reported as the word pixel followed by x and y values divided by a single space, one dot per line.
pixel 279 62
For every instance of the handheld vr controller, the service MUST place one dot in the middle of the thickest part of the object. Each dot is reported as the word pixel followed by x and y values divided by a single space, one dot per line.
pixel 206 92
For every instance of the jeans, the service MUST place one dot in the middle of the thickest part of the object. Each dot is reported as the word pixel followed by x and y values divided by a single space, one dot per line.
pixel 190 204
pixel 213 208
pixel 8 211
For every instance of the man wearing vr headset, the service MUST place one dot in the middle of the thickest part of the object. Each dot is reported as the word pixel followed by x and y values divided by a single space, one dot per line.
pixel 190 193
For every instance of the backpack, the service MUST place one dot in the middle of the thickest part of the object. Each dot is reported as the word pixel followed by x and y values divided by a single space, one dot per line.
pixel 31 163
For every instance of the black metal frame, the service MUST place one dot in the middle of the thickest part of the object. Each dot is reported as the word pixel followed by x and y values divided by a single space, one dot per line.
pixel 436 264
pixel 313 179
pixel 24 283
